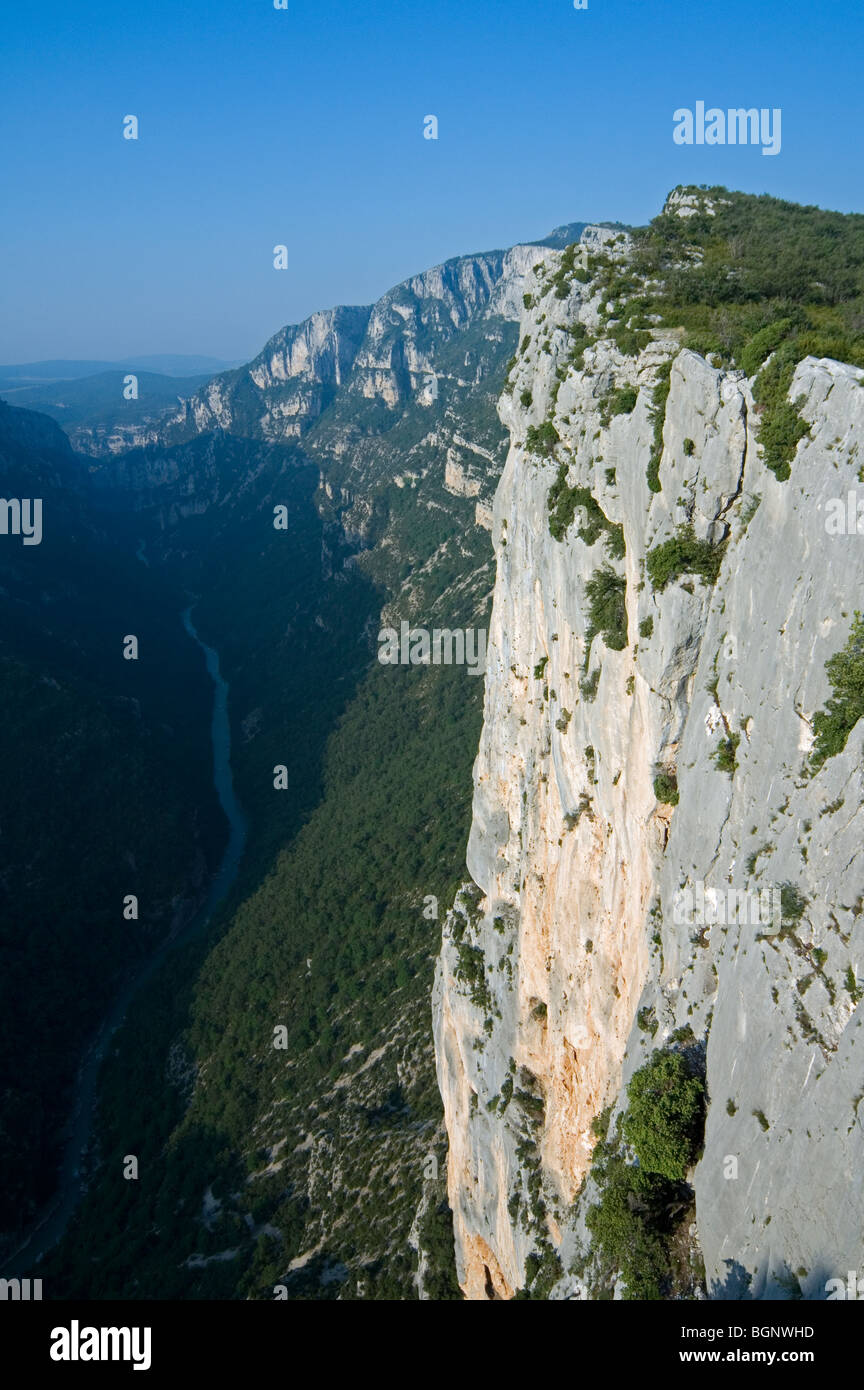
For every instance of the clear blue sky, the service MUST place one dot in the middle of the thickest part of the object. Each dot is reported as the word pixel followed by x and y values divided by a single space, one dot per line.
pixel 304 126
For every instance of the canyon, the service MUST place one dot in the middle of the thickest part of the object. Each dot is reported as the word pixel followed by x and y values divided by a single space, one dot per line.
pixel 614 451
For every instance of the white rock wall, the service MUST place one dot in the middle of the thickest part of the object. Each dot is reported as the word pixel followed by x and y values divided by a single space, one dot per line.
pixel 586 931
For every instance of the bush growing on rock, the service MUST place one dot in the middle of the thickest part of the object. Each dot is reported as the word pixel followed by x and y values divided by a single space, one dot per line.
pixel 666 788
pixel 664 1116
pixel 684 554
pixel 607 608
pixel 845 670
pixel 541 439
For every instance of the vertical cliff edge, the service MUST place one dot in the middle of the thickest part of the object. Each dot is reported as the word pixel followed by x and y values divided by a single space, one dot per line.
pixel 664 856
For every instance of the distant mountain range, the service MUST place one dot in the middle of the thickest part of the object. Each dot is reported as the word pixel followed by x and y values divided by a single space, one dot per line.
pixel 90 398
pixel 26 374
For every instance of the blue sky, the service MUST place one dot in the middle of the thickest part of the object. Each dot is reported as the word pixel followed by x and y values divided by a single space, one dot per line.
pixel 304 126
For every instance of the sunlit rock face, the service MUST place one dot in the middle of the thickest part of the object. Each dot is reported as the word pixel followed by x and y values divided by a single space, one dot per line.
pixel 576 954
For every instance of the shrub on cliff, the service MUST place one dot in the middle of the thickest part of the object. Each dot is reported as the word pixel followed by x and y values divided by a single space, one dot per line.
pixel 564 502
pixel 607 608
pixel 833 724
pixel 564 274
pixel 782 426
pixel 580 339
pixel 684 554
pixel 666 788
pixel 645 1205
pixel 622 401
pixel 763 343
pixel 659 397
pixel 725 755
pixel 625 1224
pixel 541 439
pixel 664 1115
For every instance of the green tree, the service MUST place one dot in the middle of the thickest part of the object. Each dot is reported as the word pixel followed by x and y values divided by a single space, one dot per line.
pixel 664 1115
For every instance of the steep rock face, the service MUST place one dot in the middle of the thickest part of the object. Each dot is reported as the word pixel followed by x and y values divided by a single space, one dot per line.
pixel 383 354
pixel 282 390
pixel 341 386
pixel 577 936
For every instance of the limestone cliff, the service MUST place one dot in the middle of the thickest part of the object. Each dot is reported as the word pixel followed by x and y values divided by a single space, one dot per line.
pixel 575 961
pixel 385 354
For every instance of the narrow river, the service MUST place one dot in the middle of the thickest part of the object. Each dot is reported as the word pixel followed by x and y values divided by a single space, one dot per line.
pixel 52 1225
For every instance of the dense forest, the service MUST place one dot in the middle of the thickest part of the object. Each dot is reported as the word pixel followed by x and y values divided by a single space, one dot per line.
pixel 275 1079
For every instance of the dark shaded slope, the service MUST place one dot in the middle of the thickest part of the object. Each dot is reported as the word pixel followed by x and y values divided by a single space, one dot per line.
pixel 105 791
